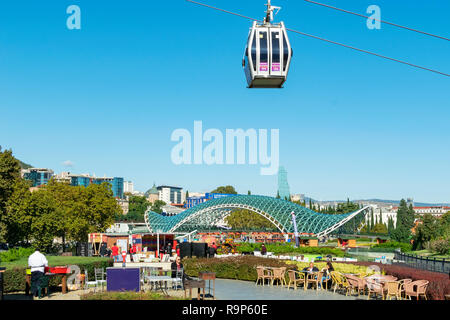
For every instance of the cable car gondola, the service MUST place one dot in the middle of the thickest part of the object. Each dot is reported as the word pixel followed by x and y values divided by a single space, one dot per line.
pixel 268 53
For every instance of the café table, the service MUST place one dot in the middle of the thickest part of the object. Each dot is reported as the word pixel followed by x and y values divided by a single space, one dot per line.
pixel 190 284
pixel 157 278
pixel 209 276
pixel 63 281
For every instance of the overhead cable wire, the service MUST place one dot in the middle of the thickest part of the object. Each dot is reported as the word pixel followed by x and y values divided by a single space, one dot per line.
pixel 382 21
pixel 326 40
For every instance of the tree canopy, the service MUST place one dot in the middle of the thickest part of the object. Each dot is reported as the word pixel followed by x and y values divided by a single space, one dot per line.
pixel 248 220
pixel 56 210
pixel 138 205
pixel 405 222
pixel 225 189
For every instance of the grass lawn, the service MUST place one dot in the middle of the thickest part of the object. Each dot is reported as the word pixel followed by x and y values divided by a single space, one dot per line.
pixel 53 261
pixel 128 296
pixel 426 253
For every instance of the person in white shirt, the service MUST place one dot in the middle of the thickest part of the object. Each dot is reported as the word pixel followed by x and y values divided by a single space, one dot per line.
pixel 37 262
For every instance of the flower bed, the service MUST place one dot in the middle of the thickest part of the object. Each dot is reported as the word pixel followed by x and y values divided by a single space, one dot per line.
pixel 285 248
pixel 439 284
pixel 244 267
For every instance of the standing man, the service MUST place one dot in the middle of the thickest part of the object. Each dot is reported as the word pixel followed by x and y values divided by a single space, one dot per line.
pixel 37 262
pixel 169 249
pixel 263 250
pixel 115 252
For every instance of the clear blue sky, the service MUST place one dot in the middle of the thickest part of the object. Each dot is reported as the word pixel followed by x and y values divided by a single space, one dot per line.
pixel 107 97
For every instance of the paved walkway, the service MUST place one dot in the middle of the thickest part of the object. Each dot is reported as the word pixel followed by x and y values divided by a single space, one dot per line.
pixel 225 290
pixel 246 290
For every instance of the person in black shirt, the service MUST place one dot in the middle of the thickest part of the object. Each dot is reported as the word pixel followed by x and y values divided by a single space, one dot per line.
pixel 311 268
pixel 176 266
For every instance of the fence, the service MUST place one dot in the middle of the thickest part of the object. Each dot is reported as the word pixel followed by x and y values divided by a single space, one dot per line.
pixel 424 263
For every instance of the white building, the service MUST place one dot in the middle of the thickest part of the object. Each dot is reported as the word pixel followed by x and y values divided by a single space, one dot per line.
pixel 436 211
pixel 384 213
pixel 298 197
pixel 196 194
pixel 128 187
pixel 124 205
pixel 171 195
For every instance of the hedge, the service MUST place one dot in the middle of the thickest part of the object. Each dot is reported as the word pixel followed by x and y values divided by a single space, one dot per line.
pixel 14 278
pixel 392 246
pixel 284 248
pixel 236 268
pixel 438 287
pixel 15 254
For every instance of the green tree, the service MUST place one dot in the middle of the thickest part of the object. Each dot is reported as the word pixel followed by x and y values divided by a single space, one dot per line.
pixel 428 230
pixel 444 222
pixel 44 223
pixel 157 206
pixel 249 192
pixel 278 195
pixel 138 205
pixel 19 215
pixel 248 220
pixel 391 226
pixel 372 221
pixel 9 173
pixel 405 222
pixel 225 189
pixel 379 228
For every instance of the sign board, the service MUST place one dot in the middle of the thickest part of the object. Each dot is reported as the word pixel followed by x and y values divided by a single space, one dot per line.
pixel 122 244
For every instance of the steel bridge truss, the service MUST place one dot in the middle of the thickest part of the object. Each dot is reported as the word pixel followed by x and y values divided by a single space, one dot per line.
pixel 205 216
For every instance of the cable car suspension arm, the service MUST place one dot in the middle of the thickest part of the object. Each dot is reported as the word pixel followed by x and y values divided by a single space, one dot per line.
pixel 326 40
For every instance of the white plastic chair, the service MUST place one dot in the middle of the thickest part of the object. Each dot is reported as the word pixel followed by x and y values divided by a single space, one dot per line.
pixel 178 280
pixel 88 283
pixel 100 277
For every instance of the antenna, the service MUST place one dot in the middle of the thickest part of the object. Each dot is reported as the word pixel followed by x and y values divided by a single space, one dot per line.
pixel 269 12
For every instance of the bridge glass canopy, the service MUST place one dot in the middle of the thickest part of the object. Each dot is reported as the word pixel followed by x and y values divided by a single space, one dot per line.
pixel 206 215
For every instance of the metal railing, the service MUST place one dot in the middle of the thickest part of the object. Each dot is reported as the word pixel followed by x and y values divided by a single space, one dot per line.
pixel 424 263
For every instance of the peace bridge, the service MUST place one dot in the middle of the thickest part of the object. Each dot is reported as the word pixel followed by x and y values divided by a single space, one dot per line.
pixel 206 216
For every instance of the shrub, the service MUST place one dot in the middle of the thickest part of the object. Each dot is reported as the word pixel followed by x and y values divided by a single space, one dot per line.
pixel 244 267
pixel 15 254
pixel 440 246
pixel 14 279
pixel 392 246
pixel 439 284
pixel 285 248
pixel 338 266
pixel 236 268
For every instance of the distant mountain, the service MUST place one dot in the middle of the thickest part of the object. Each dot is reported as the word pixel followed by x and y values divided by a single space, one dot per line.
pixel 23 165
pixel 394 202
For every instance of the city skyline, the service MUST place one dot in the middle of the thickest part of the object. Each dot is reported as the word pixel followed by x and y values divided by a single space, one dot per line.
pixel 281 180
pixel 105 99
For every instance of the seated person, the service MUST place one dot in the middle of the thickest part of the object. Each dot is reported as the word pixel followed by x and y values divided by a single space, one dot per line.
pixel 327 272
pixel 311 268
pixel 178 266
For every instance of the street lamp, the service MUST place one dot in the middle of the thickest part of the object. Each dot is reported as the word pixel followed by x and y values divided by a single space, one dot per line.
pixel 158 231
